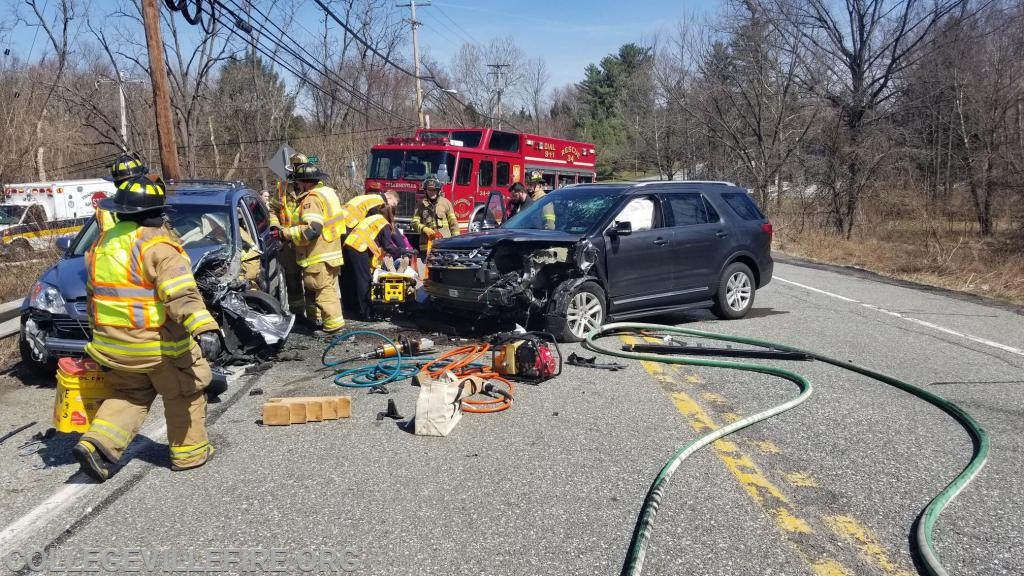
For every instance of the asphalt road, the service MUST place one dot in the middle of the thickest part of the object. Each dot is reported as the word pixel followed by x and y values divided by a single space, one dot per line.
pixel 553 486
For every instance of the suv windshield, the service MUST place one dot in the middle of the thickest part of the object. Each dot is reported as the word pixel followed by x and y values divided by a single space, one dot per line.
pixel 576 210
pixel 409 164
pixel 11 214
pixel 197 225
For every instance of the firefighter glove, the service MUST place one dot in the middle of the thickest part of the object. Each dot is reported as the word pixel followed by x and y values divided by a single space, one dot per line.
pixel 210 343
pixel 437 235
pixel 428 231
pixel 275 233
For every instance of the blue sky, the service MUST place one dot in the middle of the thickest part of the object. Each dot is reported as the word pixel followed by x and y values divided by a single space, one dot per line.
pixel 567 34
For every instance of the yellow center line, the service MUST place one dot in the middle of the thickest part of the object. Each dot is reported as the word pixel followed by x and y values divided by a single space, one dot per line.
pixel 761 490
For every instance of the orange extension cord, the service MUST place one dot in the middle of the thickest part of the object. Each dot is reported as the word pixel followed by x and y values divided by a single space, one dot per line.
pixel 460 362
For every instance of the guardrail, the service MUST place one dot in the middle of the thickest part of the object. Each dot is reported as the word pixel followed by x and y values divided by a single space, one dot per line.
pixel 10 318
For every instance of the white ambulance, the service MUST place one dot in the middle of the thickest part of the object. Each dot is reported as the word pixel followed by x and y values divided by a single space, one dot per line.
pixel 33 215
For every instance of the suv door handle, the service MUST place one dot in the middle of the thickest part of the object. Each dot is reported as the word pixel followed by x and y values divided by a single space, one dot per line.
pixel 721 234
pixel 660 242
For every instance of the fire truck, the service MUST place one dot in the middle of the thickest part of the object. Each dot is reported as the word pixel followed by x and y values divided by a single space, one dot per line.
pixel 471 163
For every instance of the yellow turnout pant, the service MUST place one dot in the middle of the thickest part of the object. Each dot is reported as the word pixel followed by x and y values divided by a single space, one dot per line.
pixel 180 382
pixel 321 280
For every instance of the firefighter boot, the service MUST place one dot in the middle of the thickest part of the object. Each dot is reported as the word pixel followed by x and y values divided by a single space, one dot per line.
pixel 91 460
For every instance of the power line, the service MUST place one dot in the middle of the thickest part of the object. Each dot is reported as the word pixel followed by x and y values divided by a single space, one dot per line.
pixel 460 30
pixel 320 67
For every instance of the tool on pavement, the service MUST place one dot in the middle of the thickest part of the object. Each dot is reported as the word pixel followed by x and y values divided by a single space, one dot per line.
pixel 575 360
pixel 16 430
pixel 391 412
pixel 531 356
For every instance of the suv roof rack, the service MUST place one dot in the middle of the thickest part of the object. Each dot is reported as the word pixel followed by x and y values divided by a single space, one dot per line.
pixel 651 182
pixel 201 182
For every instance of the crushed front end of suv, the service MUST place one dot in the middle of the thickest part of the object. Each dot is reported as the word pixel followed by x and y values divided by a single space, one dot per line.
pixel 614 252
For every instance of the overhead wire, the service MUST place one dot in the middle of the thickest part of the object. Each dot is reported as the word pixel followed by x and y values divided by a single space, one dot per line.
pixel 321 67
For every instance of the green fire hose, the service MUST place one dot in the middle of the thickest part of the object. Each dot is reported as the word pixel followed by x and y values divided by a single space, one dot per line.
pixel 634 560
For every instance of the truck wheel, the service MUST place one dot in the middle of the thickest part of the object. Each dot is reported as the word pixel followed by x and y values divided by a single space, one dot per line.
pixel 580 312
pixel 735 295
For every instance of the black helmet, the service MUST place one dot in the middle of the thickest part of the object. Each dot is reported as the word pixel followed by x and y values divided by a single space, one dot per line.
pixel 431 183
pixel 307 171
pixel 134 196
pixel 536 177
pixel 126 167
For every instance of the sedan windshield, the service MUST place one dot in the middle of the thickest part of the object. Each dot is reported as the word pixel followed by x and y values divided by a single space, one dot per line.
pixel 196 226
pixel 576 210
pixel 409 164
pixel 11 214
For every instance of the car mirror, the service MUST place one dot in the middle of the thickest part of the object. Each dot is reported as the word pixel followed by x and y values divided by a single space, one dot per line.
pixel 621 229
pixel 63 244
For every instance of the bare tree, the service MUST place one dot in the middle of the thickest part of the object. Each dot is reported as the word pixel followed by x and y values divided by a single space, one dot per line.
pixel 850 54
pixel 535 87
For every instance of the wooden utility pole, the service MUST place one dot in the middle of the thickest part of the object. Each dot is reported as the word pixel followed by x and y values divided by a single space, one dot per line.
pixel 161 90
pixel 499 85
pixel 416 54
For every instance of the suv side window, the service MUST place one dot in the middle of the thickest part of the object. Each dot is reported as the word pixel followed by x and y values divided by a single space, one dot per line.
pixel 259 214
pixel 690 209
pixel 641 213
pixel 743 206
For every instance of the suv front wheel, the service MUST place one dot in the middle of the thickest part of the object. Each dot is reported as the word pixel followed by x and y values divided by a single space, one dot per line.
pixel 578 313
pixel 735 295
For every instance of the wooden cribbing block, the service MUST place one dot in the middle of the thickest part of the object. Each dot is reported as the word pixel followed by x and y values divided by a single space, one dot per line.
pixel 302 409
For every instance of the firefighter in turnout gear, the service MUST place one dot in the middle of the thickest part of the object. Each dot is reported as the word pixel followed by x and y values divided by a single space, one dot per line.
pixel 536 181
pixel 284 210
pixel 316 236
pixel 150 331
pixel 363 253
pixel 435 216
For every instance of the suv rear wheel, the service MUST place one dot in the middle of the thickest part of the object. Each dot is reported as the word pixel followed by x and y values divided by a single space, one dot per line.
pixel 735 295
pixel 582 311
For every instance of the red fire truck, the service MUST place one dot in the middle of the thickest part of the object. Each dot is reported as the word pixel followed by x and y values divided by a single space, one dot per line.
pixel 471 163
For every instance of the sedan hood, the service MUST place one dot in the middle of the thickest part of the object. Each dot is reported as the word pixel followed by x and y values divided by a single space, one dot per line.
pixel 68 274
pixel 489 238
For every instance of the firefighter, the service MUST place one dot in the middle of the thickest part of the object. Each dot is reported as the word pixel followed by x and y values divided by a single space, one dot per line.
pixel 355 210
pixel 125 167
pixel 284 213
pixel 363 253
pixel 536 181
pixel 316 237
pixel 151 332
pixel 435 216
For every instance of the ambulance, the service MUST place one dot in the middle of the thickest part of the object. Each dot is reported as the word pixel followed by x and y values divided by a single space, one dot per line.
pixel 33 215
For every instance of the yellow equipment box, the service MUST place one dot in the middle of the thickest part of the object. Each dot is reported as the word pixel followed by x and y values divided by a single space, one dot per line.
pixel 80 391
pixel 390 289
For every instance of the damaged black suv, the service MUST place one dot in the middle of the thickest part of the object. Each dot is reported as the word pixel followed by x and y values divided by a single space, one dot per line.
pixel 615 251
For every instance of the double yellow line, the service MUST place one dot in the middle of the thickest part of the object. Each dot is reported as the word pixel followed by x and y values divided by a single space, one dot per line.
pixel 798 528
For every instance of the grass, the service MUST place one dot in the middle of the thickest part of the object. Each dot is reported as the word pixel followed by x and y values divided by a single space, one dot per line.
pixel 948 254
pixel 17 278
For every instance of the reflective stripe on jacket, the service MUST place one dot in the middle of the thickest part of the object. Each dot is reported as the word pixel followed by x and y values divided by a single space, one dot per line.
pixel 144 301
pixel 357 208
pixel 121 295
pixel 364 236
pixel 317 234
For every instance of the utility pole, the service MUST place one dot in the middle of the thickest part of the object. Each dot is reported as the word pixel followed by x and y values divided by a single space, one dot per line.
pixel 416 54
pixel 499 73
pixel 124 112
pixel 161 90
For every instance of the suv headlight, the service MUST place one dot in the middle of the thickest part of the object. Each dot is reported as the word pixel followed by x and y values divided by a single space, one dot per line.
pixel 46 297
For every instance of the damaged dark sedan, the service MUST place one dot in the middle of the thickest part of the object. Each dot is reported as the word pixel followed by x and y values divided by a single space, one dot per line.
pixel 225 229
pixel 616 251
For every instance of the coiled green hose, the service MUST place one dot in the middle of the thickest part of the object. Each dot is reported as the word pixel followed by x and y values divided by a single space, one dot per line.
pixel 633 563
